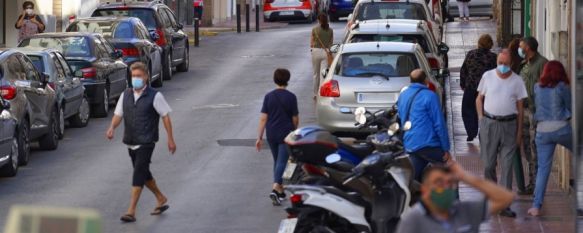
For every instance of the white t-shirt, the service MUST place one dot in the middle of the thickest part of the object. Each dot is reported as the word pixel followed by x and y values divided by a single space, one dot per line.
pixel 500 95
pixel 160 105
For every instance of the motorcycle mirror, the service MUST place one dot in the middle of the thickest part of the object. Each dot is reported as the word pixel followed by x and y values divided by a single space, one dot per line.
pixel 393 129
pixel 333 158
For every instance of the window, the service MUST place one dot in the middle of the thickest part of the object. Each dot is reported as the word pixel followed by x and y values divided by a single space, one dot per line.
pixel 123 30
pixel 391 10
pixel 59 68
pixel 100 49
pixel 146 15
pixel 171 17
pixel 69 46
pixel 65 65
pixel 30 73
pixel 418 39
pixel 38 63
pixel 371 64
pixel 13 69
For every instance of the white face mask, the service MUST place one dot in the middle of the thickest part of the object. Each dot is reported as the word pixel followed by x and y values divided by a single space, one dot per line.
pixel 29 11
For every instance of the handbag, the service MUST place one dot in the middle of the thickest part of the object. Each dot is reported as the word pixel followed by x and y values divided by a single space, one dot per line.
pixel 329 56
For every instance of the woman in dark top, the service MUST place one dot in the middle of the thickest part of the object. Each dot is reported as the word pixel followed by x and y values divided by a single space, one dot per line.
pixel 28 22
pixel 476 63
pixel 279 116
pixel 516 59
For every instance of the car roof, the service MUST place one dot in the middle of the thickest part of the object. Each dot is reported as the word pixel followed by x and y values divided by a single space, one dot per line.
pixel 64 34
pixel 35 50
pixel 390 26
pixel 399 47
pixel 106 19
pixel 130 4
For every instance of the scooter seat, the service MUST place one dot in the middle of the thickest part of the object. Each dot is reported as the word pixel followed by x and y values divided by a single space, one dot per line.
pixel 350 196
pixel 360 151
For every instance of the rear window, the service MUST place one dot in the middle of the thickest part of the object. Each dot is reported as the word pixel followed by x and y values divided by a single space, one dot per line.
pixel 390 10
pixel 38 63
pixel 418 39
pixel 77 46
pixel 376 64
pixel 146 15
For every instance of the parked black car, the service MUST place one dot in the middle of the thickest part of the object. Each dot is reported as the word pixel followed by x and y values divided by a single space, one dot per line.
pixel 32 103
pixel 160 19
pixel 94 60
pixel 71 99
pixel 129 35
pixel 8 139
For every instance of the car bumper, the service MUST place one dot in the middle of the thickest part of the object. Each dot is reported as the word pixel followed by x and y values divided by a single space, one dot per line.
pixel 339 119
pixel 94 91
pixel 280 15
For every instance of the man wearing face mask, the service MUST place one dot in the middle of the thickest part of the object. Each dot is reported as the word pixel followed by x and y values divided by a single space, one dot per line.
pixel 531 70
pixel 440 212
pixel 500 112
pixel 141 107
pixel 28 22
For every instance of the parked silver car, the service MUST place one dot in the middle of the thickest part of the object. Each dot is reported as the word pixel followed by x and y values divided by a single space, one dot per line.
pixel 401 30
pixel 477 8
pixel 371 75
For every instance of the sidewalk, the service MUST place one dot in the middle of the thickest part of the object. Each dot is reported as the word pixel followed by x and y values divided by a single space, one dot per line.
pixel 558 209
pixel 231 25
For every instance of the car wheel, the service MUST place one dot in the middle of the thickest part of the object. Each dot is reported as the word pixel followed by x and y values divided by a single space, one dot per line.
pixel 61 123
pixel 10 169
pixel 50 141
pixel 23 143
pixel 81 119
pixel 186 62
pixel 167 67
pixel 102 109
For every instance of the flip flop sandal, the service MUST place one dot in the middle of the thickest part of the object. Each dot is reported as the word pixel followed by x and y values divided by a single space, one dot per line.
pixel 159 210
pixel 128 218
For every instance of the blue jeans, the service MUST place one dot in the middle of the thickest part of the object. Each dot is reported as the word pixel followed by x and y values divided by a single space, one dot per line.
pixel 280 157
pixel 545 147
pixel 423 157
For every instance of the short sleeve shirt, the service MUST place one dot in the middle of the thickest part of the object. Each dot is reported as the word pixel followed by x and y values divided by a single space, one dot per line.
pixel 465 217
pixel 501 95
pixel 281 106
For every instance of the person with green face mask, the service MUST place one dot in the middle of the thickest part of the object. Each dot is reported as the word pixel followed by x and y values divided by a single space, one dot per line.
pixel 439 211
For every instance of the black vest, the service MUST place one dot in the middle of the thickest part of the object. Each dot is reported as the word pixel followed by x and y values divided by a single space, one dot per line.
pixel 140 118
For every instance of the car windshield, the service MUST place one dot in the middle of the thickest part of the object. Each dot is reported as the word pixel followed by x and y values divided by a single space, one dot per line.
pixel 418 39
pixel 376 64
pixel 38 63
pixel 146 15
pixel 390 10
pixel 76 46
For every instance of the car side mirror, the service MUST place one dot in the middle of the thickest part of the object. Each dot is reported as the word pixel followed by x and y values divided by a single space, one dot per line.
pixel 334 48
pixel 443 48
pixel 117 54
pixel 154 36
pixel 78 74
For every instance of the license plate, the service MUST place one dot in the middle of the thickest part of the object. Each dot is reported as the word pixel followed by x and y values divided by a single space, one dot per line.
pixel 286 13
pixel 288 225
pixel 289 170
pixel 376 98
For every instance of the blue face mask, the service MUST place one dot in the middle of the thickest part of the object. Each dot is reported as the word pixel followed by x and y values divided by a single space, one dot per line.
pixel 503 69
pixel 137 83
pixel 521 53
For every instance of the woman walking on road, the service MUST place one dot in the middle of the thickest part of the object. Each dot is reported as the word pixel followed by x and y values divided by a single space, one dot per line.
pixel 476 63
pixel 279 116
pixel 464 9
pixel 553 115
pixel 320 42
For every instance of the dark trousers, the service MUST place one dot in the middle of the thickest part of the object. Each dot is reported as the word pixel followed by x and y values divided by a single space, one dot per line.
pixel 469 112
pixel 141 159
pixel 423 157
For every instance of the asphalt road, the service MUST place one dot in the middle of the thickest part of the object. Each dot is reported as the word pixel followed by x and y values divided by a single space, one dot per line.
pixel 211 186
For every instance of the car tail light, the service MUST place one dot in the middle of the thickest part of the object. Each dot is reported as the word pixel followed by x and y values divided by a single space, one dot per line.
pixel 296 199
pixel 162 37
pixel 130 52
pixel 330 89
pixel 433 63
pixel 90 72
pixel 8 92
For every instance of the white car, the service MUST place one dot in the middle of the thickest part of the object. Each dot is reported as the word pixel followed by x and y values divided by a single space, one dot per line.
pixel 370 75
pixel 398 9
pixel 401 30
pixel 293 9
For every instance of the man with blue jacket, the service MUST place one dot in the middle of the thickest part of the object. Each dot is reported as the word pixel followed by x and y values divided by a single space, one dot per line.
pixel 426 138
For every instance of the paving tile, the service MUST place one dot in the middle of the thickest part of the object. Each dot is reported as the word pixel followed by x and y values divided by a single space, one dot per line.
pixel 558 207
